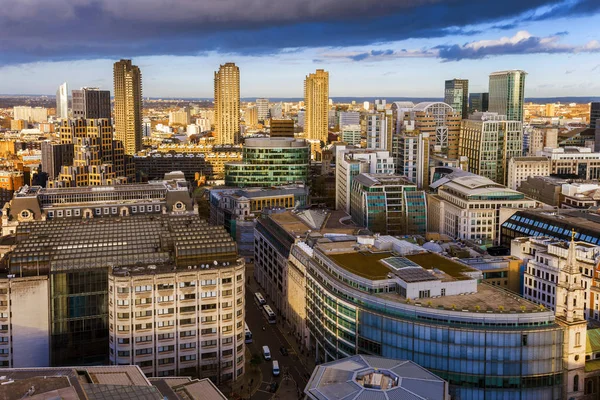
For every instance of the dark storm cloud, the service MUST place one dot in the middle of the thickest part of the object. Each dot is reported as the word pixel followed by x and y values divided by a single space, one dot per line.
pixel 82 29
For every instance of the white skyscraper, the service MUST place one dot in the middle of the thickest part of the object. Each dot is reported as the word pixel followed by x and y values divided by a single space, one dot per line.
pixel 62 101
pixel 263 109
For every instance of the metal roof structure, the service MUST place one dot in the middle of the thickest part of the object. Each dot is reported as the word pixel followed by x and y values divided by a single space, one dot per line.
pixel 363 377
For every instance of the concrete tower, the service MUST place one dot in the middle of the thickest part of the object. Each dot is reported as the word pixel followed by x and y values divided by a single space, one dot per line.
pixel 227 104
pixel 316 100
pixel 128 105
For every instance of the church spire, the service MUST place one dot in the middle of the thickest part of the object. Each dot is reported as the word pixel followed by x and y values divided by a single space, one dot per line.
pixel 571 264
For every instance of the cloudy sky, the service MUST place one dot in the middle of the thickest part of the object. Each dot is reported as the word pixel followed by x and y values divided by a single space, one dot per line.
pixel 399 48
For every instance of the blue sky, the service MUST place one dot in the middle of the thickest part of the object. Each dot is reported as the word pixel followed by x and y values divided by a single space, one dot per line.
pixel 394 48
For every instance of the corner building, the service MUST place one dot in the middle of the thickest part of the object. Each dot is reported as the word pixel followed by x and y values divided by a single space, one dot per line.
pixel 386 297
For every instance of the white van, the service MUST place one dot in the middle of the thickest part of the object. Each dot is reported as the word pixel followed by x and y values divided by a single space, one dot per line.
pixel 275 368
pixel 266 353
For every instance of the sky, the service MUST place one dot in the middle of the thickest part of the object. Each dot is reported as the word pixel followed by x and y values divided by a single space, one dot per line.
pixel 395 48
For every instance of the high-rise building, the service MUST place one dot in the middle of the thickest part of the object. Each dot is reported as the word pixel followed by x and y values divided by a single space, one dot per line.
pixel 507 94
pixel 227 104
pixel 91 103
pixel 348 118
pixel 30 114
pixel 62 101
pixel 128 106
pixel 489 141
pixel 377 137
pixel 456 94
pixel 410 150
pixel 316 98
pixel 594 114
pixel 442 123
pixel 263 109
pixel 54 156
pixel 478 102
pixel 180 117
pixel 350 134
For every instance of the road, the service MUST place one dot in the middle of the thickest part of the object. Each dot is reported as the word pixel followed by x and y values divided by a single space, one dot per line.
pixel 272 336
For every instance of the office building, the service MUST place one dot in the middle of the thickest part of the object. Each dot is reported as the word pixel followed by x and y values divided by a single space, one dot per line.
pixel 468 207
pixel 351 162
pixel 489 141
pixel 361 377
pixel 180 117
pixel 276 231
pixel 282 128
pixel 410 150
pixel 507 94
pixel 580 195
pixel 501 271
pixel 104 289
pixel 351 134
pixel 238 209
pixel 545 189
pixel 182 321
pixel 269 162
pixel 197 162
pixel 399 110
pixel 554 224
pixel 262 106
pixel 30 114
pixel 251 116
pixel 10 182
pixel 594 114
pixel 440 121
pixel 62 102
pixel 128 106
pixel 565 162
pixel 377 137
pixel 541 137
pixel 388 204
pixel 91 103
pixel 34 203
pixel 346 118
pixel 520 168
pixel 456 95
pixel 101 382
pixel 54 156
pixel 316 101
pixel 18 124
pixel 544 257
pixel 390 298
pixel 478 102
pixel 98 159
pixel 227 104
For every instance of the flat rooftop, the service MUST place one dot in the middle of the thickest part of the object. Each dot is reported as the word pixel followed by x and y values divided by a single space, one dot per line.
pixel 487 299
pixel 363 264
pixel 446 265
pixel 298 223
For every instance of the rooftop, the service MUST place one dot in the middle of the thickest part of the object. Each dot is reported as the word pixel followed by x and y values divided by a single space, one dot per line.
pixel 436 261
pixel 371 180
pixel 365 377
pixel 363 264
pixel 298 223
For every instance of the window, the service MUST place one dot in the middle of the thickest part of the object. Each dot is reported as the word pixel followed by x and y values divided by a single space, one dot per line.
pixel 142 352
pixel 165 349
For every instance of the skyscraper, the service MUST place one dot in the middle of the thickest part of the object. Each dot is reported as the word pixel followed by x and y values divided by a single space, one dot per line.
pixel 507 94
pixel 91 103
pixel 62 101
pixel 478 102
pixel 128 105
pixel 594 114
pixel 456 94
pixel 316 100
pixel 227 104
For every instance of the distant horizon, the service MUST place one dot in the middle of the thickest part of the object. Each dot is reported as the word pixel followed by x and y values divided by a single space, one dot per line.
pixel 342 99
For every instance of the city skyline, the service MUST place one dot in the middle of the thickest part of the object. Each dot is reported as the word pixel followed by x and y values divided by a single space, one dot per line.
pixel 385 50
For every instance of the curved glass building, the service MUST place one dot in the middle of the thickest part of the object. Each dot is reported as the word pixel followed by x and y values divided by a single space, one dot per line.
pixel 270 162
pixel 393 299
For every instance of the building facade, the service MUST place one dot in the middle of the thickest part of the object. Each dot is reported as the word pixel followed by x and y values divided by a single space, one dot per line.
pixel 62 102
pixel 54 156
pixel 351 162
pixel 91 103
pixel 281 128
pixel 469 207
pixel 375 297
pixel 489 141
pixel 227 104
pixel 128 106
pixel 262 106
pixel 388 204
pixel 456 94
pixel 316 102
pixel 478 102
pixel 520 168
pixel 351 134
pixel 377 131
pixel 507 94
pixel 440 121
pixel 269 162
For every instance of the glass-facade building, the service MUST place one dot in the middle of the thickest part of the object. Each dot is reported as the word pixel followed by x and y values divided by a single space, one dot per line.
pixel 482 354
pixel 270 162
pixel 507 94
